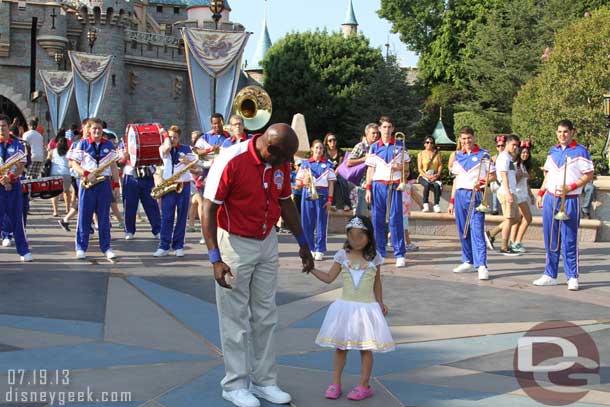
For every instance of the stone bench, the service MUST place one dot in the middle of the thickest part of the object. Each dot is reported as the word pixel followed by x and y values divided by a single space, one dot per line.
pixel 443 224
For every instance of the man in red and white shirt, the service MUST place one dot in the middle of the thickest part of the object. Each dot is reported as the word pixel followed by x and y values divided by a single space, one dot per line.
pixel 247 190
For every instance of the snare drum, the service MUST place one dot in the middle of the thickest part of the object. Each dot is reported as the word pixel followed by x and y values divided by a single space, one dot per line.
pixel 38 187
pixel 55 188
pixel 143 142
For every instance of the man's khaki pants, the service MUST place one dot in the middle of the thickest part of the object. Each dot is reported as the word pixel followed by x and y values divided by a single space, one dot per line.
pixel 247 313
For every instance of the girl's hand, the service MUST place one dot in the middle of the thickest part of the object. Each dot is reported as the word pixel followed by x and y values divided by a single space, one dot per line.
pixel 450 209
pixel 384 308
pixel 327 206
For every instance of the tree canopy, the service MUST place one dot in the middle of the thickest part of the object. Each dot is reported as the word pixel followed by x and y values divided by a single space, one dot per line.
pixel 340 84
pixel 570 85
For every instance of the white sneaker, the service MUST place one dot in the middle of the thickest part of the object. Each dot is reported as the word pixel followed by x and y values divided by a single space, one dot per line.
pixel 483 273
pixel 545 280
pixel 241 398
pixel 80 254
pixel 437 209
pixel 318 256
pixel 110 254
pixel 6 242
pixel 425 208
pixel 157 236
pixel 573 284
pixel 271 393
pixel 401 262
pixel 28 257
pixel 179 253
pixel 128 236
pixel 202 240
pixel 161 253
pixel 464 268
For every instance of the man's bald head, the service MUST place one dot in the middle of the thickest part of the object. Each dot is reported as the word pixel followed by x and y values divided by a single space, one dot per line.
pixel 278 144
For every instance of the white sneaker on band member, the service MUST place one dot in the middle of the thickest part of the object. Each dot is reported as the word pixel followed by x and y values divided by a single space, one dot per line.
pixel 483 273
pixel 110 254
pixel 573 284
pixel 6 242
pixel 401 262
pixel 271 393
pixel 161 253
pixel 241 398
pixel 545 280
pixel 179 253
pixel 80 254
pixel 318 256
pixel 464 268
pixel 28 257
pixel 128 236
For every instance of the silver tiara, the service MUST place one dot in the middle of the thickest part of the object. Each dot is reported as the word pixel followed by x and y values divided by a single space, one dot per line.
pixel 355 223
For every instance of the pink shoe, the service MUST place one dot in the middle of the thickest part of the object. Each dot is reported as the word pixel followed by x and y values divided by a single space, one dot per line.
pixel 333 392
pixel 360 393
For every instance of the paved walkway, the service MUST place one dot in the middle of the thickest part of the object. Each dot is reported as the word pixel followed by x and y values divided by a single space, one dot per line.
pixel 149 326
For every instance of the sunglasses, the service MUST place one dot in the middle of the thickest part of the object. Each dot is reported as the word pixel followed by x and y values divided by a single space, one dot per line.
pixel 376 132
pixel 501 145
pixel 331 140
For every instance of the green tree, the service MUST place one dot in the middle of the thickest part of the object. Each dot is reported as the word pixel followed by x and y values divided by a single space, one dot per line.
pixel 385 92
pixel 318 74
pixel 440 31
pixel 570 84
pixel 507 51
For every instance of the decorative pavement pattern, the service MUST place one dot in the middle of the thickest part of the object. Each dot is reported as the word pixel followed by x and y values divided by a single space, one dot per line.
pixel 149 326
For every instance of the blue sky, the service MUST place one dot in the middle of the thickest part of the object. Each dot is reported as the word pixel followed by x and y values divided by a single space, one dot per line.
pixel 302 15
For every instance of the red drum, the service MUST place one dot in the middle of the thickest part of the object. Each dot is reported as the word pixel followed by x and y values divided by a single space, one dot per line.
pixel 143 142
pixel 55 188
pixel 25 186
pixel 44 188
pixel 38 187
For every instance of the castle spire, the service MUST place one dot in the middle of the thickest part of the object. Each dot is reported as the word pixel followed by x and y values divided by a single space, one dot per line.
pixel 263 45
pixel 350 25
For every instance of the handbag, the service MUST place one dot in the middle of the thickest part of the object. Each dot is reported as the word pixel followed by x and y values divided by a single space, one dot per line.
pixel 46 169
pixel 352 174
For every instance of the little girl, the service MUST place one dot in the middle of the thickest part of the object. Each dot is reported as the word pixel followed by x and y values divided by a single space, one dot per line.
pixel 356 320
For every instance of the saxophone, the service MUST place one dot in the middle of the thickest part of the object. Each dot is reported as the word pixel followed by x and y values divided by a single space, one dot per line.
pixel 85 183
pixel 311 185
pixel 171 184
pixel 5 167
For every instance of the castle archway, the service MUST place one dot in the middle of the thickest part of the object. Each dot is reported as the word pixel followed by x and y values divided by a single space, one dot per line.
pixel 10 109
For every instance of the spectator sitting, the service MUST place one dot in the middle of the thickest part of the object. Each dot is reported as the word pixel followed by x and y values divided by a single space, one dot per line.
pixel 430 165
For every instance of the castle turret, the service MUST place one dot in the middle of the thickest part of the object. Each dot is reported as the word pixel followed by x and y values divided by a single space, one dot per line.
pixel 199 10
pixel 262 47
pixel 108 18
pixel 350 25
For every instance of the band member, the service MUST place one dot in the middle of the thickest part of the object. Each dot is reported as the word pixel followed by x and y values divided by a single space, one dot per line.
pixel 175 157
pixel 238 133
pixel 11 196
pixel 316 174
pixel 470 173
pixel 247 190
pixel 215 137
pixel 90 153
pixel 570 161
pixel 385 161
pixel 138 182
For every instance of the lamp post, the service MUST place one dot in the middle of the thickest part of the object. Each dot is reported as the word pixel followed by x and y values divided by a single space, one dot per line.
pixel 91 38
pixel 216 7
pixel 59 59
pixel 606 152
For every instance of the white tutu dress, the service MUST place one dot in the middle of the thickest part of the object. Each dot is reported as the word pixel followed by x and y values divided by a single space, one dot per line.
pixel 356 321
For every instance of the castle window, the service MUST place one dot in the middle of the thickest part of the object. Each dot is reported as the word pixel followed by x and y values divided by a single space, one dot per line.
pixel 176 10
pixel 160 9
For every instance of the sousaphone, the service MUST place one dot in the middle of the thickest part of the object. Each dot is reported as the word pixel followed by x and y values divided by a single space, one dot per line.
pixel 253 103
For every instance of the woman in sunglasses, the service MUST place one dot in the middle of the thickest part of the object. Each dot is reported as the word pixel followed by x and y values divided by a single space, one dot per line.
pixel 430 165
